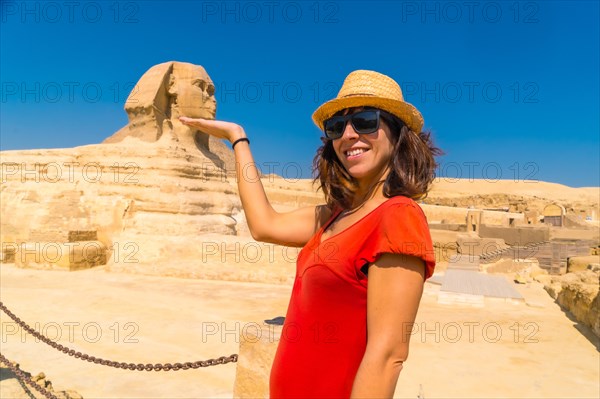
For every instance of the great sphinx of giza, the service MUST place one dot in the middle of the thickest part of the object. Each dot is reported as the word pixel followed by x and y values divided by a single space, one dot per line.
pixel 156 197
pixel 155 185
pixel 165 92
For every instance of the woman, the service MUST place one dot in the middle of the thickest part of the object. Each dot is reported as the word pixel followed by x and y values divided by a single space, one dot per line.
pixel 343 337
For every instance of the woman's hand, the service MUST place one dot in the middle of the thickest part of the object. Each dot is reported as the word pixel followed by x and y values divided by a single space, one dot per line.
pixel 220 129
pixel 291 228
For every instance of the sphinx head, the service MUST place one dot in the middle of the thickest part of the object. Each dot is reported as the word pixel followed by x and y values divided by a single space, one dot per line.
pixel 165 92
pixel 191 91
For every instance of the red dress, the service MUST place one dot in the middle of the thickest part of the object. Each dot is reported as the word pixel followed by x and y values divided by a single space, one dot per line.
pixel 324 335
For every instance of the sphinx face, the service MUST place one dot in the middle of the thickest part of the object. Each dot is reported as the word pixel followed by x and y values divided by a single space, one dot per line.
pixel 194 91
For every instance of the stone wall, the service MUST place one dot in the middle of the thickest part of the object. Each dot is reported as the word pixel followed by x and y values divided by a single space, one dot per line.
pixel 450 214
pixel 521 235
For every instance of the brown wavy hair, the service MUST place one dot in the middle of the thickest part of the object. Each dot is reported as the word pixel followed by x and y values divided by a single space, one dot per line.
pixel 412 167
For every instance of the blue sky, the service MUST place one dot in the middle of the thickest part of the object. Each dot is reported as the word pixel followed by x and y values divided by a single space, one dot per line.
pixel 509 89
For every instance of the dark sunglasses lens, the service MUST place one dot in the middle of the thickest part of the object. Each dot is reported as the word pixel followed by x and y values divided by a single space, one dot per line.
pixel 365 122
pixel 334 127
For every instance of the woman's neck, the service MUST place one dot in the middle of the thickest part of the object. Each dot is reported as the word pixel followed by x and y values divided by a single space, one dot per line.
pixel 369 190
pixel 375 191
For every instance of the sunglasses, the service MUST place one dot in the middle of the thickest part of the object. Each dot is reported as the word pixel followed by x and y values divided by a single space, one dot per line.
pixel 363 122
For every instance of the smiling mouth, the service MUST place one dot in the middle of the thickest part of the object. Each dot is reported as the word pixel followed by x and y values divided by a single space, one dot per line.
pixel 355 153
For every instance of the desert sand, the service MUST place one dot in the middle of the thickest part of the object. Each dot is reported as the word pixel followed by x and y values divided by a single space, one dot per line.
pixel 526 350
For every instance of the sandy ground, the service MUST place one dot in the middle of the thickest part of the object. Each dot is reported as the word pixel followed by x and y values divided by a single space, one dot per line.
pixel 526 350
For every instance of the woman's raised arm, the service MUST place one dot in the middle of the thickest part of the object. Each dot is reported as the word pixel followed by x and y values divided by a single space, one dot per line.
pixel 291 228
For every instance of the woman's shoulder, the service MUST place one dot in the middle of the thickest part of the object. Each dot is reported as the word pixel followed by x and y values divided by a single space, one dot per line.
pixel 400 200
pixel 400 206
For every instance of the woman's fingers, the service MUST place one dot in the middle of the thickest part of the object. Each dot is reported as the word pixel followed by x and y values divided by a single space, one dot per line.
pixel 221 129
pixel 194 121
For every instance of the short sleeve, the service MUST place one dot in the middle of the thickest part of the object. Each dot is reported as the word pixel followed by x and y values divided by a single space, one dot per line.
pixel 402 229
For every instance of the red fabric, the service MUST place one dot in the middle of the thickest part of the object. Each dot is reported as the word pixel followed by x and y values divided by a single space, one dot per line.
pixel 324 335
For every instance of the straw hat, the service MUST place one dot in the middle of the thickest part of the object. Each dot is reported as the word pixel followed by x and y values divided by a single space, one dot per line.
pixel 372 89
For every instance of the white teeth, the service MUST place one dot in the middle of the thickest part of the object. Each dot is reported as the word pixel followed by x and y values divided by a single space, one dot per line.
pixel 355 152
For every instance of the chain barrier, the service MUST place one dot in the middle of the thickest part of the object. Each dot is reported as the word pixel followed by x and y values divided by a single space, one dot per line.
pixel 120 365
pixel 24 379
pixel 25 387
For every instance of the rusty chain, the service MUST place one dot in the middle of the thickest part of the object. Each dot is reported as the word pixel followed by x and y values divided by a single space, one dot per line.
pixel 25 379
pixel 24 386
pixel 120 365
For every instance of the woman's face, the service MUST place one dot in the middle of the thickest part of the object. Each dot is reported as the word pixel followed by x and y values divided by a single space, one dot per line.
pixel 365 156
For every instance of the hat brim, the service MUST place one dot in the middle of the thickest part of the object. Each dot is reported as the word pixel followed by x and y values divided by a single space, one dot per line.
pixel 403 110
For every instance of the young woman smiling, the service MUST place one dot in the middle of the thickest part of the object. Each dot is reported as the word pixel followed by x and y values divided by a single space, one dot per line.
pixel 366 252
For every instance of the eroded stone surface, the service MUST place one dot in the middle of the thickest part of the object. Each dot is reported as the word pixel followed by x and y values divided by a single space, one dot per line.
pixel 155 193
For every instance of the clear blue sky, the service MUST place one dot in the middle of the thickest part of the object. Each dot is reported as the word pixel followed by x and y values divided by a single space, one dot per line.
pixel 509 89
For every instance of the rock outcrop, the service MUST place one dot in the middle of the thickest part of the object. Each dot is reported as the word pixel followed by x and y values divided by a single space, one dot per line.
pixel 13 388
pixel 579 263
pixel 578 293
